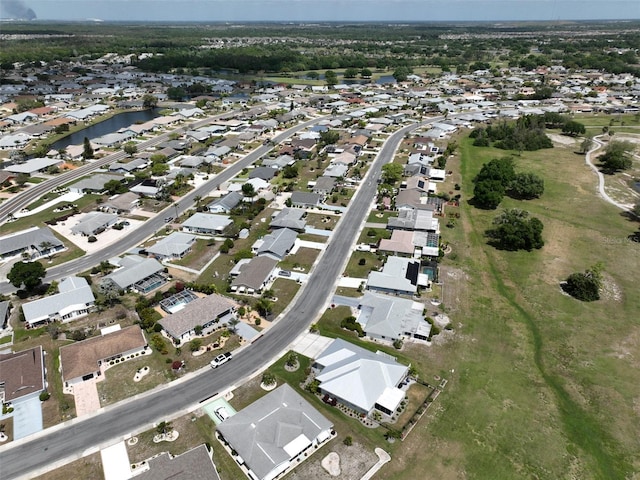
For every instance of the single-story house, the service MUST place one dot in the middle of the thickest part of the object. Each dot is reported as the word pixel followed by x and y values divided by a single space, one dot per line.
pixel 34 165
pixel 207 312
pixel 137 273
pixel 385 318
pixel 278 163
pixel 84 360
pixel 194 464
pixel 306 199
pixel 336 170
pixel 133 165
pixel 37 242
pixel 174 246
pixel 74 299
pixel 345 372
pixel 277 244
pixel 292 218
pixel 94 223
pixel 94 183
pixel 412 243
pixel 418 220
pixel 206 223
pixel 275 433
pixel 22 375
pixel 226 203
pixel 253 274
pixel 265 173
pixel 122 203
pixel 324 185
pixel 399 275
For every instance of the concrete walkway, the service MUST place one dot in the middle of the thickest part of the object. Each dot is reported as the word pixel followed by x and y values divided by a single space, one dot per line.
pixel 383 457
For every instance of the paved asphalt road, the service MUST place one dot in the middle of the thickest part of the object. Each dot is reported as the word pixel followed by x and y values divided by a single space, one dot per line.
pixel 20 201
pixel 152 225
pixel 68 441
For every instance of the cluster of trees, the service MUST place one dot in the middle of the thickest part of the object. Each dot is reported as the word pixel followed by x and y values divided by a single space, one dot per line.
pixel 526 133
pixel 617 156
pixel 515 230
pixel 498 178
pixel 585 286
pixel 29 274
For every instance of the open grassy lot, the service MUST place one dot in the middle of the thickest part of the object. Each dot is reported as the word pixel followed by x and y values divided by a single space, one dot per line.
pixel 199 255
pixel 193 430
pixel 361 263
pixel 540 385
pixel 302 259
pixel 85 204
pixel 86 467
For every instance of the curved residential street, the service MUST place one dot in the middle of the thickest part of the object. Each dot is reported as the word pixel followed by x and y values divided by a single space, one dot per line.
pixel 69 441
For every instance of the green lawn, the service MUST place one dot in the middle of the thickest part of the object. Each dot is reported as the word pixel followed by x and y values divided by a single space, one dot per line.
pixel 538 384
pixel 86 203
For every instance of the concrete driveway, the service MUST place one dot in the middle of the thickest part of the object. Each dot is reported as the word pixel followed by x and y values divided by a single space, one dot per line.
pixel 27 418
pixel 311 344
pixel 86 397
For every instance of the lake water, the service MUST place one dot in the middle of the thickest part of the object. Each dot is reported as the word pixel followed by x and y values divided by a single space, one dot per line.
pixel 110 125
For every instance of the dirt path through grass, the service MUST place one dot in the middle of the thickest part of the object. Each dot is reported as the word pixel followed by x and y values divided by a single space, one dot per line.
pixel 579 426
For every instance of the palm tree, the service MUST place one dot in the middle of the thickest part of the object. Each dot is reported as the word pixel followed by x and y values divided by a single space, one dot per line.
pixel 198 199
pixel 45 248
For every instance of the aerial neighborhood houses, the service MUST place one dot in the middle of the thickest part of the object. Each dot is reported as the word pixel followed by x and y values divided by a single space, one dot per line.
pixel 276 432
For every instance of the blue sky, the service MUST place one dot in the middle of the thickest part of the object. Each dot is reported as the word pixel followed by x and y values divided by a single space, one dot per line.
pixel 330 10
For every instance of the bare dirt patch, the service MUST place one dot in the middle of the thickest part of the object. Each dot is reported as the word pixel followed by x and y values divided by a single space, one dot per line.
pixel 355 461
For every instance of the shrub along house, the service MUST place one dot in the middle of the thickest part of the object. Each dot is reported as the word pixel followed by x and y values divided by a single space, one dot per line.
pixel 89 358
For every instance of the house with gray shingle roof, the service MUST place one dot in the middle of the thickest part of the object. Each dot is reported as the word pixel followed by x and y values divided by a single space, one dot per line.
pixel 399 275
pixel 93 223
pixel 306 199
pixel 174 246
pixel 254 274
pixel 137 273
pixel 37 242
pixel 208 312
pixel 206 223
pixel 275 433
pixel 226 203
pixel 292 218
pixel 94 183
pixel 277 244
pixel 194 464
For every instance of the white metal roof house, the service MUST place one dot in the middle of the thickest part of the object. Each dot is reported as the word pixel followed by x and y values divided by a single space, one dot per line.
pixel 176 245
pixel 360 379
pixel 399 276
pixel 275 433
pixel 206 223
pixel 387 318
pixel 74 300
pixel 139 274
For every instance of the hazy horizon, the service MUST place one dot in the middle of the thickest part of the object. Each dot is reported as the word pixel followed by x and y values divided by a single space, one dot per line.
pixel 413 11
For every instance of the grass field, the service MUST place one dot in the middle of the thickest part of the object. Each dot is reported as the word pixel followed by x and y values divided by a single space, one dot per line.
pixel 540 385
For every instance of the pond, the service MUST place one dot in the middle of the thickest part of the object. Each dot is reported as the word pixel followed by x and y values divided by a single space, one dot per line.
pixel 111 125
